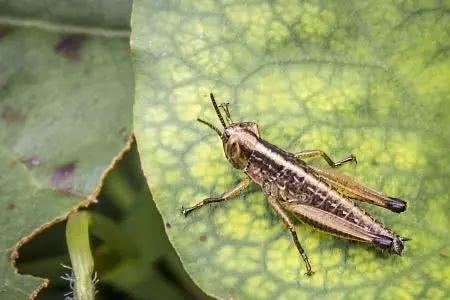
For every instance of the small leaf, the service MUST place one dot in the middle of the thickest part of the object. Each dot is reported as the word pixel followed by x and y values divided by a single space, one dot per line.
pixel 363 77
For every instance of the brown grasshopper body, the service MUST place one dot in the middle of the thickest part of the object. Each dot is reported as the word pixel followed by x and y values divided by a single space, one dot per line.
pixel 321 198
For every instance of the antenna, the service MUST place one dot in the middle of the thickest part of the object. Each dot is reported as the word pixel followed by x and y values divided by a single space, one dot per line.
pixel 211 126
pixel 216 108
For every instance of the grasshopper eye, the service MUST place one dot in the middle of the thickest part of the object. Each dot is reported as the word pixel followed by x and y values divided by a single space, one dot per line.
pixel 234 149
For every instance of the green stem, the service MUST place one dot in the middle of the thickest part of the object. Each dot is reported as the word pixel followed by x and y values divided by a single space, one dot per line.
pixel 77 237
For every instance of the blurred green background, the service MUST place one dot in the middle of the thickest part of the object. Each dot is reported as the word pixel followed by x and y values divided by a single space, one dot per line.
pixel 133 258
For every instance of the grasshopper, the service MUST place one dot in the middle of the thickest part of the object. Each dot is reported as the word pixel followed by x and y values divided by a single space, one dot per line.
pixel 318 197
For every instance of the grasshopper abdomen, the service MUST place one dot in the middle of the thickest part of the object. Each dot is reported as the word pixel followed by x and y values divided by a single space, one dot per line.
pixel 301 193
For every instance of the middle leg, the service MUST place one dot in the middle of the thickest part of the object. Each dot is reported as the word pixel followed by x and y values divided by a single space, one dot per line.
pixel 317 152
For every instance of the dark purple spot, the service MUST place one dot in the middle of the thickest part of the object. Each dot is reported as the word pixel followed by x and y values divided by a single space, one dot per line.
pixel 203 238
pixel 31 162
pixel 4 31
pixel 10 115
pixel 70 45
pixel 168 226
pixel 63 175
pixel 11 206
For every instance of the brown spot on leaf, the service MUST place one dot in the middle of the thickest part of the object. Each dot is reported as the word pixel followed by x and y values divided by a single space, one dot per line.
pixel 11 206
pixel 168 226
pixel 63 175
pixel 4 31
pixel 70 45
pixel 11 115
pixel 31 162
pixel 203 238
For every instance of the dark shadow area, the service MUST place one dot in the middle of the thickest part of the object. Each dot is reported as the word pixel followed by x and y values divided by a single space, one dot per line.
pixel 133 260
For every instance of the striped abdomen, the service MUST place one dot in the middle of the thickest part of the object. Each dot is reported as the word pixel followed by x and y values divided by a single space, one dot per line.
pixel 304 195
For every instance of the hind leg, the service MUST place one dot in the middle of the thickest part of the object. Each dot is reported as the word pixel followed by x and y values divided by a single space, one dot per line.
pixel 290 225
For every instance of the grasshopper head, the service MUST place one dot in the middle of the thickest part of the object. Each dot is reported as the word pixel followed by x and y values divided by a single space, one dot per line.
pixel 239 139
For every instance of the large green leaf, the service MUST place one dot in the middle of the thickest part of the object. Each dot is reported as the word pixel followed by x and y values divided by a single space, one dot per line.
pixel 363 77
pixel 65 113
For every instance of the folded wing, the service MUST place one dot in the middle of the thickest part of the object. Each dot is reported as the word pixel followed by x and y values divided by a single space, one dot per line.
pixel 354 190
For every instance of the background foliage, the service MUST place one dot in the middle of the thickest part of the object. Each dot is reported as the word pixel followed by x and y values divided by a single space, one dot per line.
pixel 65 111
pixel 133 258
pixel 363 77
